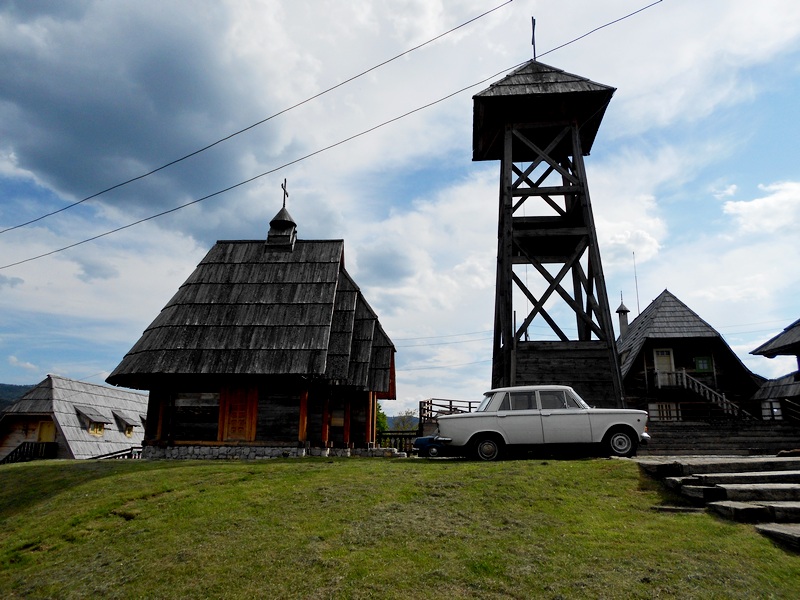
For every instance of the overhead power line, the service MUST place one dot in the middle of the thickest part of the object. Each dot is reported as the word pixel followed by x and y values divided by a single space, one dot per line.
pixel 256 124
pixel 300 159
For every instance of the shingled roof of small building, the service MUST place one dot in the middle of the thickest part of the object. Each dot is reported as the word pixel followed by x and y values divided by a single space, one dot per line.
pixel 68 401
pixel 284 307
pixel 665 317
pixel 786 343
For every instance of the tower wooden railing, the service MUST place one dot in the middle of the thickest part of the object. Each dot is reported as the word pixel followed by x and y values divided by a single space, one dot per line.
pixel 433 407
pixel 684 380
pixel 31 451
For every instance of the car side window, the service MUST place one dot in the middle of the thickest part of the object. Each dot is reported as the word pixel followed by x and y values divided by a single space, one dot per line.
pixel 504 405
pixel 523 400
pixel 572 403
pixel 552 399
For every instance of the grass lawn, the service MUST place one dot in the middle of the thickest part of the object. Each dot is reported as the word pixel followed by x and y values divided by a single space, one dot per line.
pixel 368 528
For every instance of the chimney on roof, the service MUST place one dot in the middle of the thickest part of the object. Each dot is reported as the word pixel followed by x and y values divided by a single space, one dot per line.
pixel 622 311
pixel 282 229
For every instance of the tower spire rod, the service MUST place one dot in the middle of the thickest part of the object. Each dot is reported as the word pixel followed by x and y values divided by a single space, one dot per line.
pixel 533 36
pixel 285 193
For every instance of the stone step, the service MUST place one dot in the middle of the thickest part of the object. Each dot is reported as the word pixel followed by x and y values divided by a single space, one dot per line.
pixel 749 492
pixel 716 481
pixel 703 494
pixel 678 466
pixel 758 512
pixel 788 476
pixel 787 534
pixel 742 492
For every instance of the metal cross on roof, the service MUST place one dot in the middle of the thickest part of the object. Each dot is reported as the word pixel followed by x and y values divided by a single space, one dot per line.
pixel 285 193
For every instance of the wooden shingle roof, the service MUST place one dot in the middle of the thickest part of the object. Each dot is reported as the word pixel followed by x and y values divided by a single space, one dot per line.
pixel 787 386
pixel 666 317
pixel 70 403
pixel 786 343
pixel 536 94
pixel 252 308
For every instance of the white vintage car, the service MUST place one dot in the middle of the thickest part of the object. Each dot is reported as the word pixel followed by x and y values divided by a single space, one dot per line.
pixel 524 417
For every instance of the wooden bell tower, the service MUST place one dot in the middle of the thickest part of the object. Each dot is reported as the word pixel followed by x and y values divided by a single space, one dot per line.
pixel 552 318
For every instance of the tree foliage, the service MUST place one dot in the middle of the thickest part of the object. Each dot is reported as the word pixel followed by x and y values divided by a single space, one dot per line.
pixel 382 423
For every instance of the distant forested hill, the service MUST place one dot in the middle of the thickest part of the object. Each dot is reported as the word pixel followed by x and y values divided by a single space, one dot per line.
pixel 11 393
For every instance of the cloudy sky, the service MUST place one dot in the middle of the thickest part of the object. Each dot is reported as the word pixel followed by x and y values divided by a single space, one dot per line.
pixel 695 170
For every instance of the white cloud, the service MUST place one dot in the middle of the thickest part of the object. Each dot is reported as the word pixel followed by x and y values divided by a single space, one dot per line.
pixel 16 363
pixel 778 211
pixel 724 191
pixel 92 93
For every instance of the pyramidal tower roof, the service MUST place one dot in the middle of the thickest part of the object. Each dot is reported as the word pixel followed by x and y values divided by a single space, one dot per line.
pixel 541 95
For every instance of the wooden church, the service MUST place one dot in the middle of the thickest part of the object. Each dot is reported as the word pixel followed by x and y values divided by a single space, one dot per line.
pixel 269 346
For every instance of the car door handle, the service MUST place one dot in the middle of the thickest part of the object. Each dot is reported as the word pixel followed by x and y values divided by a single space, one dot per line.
pixel 501 416
pixel 545 414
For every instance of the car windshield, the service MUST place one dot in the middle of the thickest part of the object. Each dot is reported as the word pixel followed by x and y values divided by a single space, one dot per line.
pixel 484 402
pixel 581 402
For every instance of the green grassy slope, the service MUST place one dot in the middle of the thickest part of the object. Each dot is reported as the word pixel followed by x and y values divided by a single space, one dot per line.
pixel 368 528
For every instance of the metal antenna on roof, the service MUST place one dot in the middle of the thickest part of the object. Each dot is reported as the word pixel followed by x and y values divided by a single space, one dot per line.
pixel 636 280
pixel 285 193
pixel 533 36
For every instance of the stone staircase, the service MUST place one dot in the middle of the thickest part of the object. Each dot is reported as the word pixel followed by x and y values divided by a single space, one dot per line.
pixel 726 437
pixel 761 490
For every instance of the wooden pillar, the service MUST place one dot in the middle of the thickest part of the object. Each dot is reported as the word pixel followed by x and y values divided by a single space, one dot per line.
pixel 370 420
pixel 326 422
pixel 502 372
pixel 346 432
pixel 302 427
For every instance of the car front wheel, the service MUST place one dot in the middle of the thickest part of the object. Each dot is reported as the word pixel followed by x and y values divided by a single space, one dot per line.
pixel 487 448
pixel 621 443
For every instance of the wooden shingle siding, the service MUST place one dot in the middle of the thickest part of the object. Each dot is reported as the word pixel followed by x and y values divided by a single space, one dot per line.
pixel 361 350
pixel 342 324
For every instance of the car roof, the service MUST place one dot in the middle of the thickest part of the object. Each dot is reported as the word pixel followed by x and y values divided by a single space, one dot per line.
pixel 528 388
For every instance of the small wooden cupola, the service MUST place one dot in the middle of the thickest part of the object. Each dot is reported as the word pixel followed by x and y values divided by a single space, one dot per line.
pixel 282 232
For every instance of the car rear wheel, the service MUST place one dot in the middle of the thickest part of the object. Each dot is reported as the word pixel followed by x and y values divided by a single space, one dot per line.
pixel 487 448
pixel 620 442
pixel 433 451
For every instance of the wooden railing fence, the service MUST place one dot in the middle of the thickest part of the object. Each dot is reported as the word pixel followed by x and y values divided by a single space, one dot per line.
pixel 129 453
pixel 31 451
pixel 401 440
pixel 791 411
pixel 686 381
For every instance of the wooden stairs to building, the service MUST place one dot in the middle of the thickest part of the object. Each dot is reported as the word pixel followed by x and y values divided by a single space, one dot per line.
pixel 725 437
pixel 760 490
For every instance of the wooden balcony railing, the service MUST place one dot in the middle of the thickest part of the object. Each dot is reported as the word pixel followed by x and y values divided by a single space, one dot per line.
pixel 31 451
pixel 684 380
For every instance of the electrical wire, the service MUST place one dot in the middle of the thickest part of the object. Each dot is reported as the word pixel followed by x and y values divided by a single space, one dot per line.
pixel 256 124
pixel 260 175
pixel 297 160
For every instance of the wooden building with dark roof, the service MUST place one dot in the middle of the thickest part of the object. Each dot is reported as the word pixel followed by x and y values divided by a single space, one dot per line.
pixel 266 344
pixel 64 418
pixel 678 367
pixel 780 398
